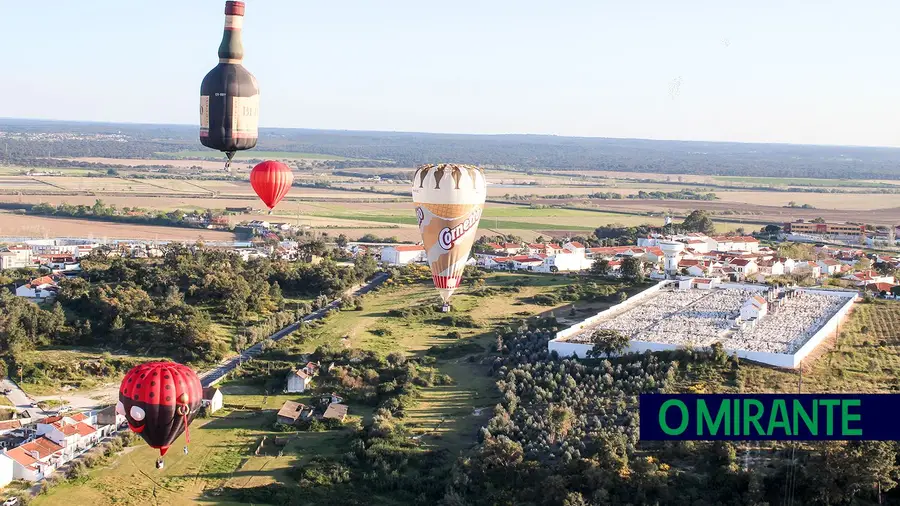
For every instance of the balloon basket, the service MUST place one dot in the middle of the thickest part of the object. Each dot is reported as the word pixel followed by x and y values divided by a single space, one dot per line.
pixel 445 308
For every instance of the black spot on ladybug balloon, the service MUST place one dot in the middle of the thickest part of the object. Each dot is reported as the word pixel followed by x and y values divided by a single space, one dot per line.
pixel 160 400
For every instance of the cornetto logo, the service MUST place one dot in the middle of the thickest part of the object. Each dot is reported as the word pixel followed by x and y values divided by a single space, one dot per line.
pixel 449 236
pixel 420 215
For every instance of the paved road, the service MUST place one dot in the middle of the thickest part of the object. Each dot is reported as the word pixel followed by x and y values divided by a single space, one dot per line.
pixel 214 376
pixel 19 398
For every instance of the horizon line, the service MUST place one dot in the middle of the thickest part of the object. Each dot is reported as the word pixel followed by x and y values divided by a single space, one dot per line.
pixel 650 139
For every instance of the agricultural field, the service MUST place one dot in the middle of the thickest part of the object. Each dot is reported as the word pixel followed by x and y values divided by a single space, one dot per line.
pixel 17 225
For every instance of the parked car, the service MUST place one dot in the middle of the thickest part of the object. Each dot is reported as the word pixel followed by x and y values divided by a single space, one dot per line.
pixel 12 501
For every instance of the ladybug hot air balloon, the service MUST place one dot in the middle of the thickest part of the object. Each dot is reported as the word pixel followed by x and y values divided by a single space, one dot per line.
pixel 229 94
pixel 271 181
pixel 449 199
pixel 160 400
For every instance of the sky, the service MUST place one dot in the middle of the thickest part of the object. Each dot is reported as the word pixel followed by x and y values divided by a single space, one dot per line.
pixel 810 72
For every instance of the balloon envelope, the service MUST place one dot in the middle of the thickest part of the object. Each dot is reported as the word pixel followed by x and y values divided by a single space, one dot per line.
pixel 229 94
pixel 159 400
pixel 271 181
pixel 449 199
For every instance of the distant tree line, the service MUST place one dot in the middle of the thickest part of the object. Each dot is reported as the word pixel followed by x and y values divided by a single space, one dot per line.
pixel 525 152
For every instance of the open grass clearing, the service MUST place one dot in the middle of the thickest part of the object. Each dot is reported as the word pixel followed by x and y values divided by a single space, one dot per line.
pixel 221 453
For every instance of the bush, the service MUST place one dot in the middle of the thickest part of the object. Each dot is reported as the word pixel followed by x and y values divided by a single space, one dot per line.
pixel 76 470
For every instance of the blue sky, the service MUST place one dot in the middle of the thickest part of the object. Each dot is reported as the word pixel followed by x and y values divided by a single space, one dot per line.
pixel 819 72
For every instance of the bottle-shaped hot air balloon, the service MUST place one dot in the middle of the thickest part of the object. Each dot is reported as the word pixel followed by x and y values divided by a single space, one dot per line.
pixel 449 199
pixel 229 94
pixel 271 181
pixel 160 400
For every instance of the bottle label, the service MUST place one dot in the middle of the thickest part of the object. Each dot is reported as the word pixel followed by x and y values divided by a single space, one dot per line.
pixel 204 115
pixel 245 117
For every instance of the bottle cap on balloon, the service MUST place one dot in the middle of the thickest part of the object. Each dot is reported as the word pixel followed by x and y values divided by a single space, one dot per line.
pixel 233 8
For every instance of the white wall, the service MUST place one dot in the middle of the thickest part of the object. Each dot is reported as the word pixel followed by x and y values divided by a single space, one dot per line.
pixel 6 470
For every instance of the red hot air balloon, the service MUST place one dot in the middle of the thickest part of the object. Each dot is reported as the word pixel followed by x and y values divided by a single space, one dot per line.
pixel 271 181
pixel 160 400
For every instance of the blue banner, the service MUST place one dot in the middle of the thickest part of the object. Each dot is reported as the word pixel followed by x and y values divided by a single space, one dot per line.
pixel 784 417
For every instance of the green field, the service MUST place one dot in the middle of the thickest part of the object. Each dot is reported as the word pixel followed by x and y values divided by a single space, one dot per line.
pixel 803 181
pixel 517 218
pixel 240 155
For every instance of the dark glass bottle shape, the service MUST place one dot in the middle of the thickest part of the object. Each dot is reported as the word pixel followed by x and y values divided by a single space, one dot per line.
pixel 229 94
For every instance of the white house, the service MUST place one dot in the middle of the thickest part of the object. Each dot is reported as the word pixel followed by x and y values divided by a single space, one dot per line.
pixel 35 460
pixel 16 257
pixel 71 433
pixel 6 470
pixel 804 267
pixel 754 308
pixel 744 266
pixel 829 266
pixel 212 399
pixel 40 288
pixel 772 267
pixel 736 243
pixel 298 381
pixel 403 254
pixel 789 264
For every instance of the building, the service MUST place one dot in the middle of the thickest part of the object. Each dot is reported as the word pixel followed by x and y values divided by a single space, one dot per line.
pixel 403 254
pixel 744 266
pixel 72 433
pixel 736 243
pixel 335 411
pixel 212 399
pixel 39 288
pixel 36 460
pixel 6 470
pixel 802 227
pixel 829 267
pixel 292 412
pixel 298 381
pixel 755 308
pixel 773 267
pixel 16 257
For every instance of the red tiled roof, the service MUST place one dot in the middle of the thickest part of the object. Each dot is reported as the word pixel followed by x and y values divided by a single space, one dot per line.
pixel 84 429
pixel 511 245
pixel 742 262
pixel 494 245
pixel 10 424
pixel 554 245
pixel 576 244
pixel 79 417
pixel 415 247
pixel 45 280
pixel 880 287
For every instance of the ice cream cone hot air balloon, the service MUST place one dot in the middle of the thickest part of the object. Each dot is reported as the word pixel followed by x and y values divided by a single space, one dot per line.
pixel 449 199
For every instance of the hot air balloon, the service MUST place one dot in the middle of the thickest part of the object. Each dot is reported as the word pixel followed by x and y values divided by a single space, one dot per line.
pixel 449 199
pixel 229 94
pixel 160 400
pixel 271 181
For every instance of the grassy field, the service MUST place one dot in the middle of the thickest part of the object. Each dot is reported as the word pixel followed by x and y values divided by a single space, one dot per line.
pixel 242 155
pixel 71 369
